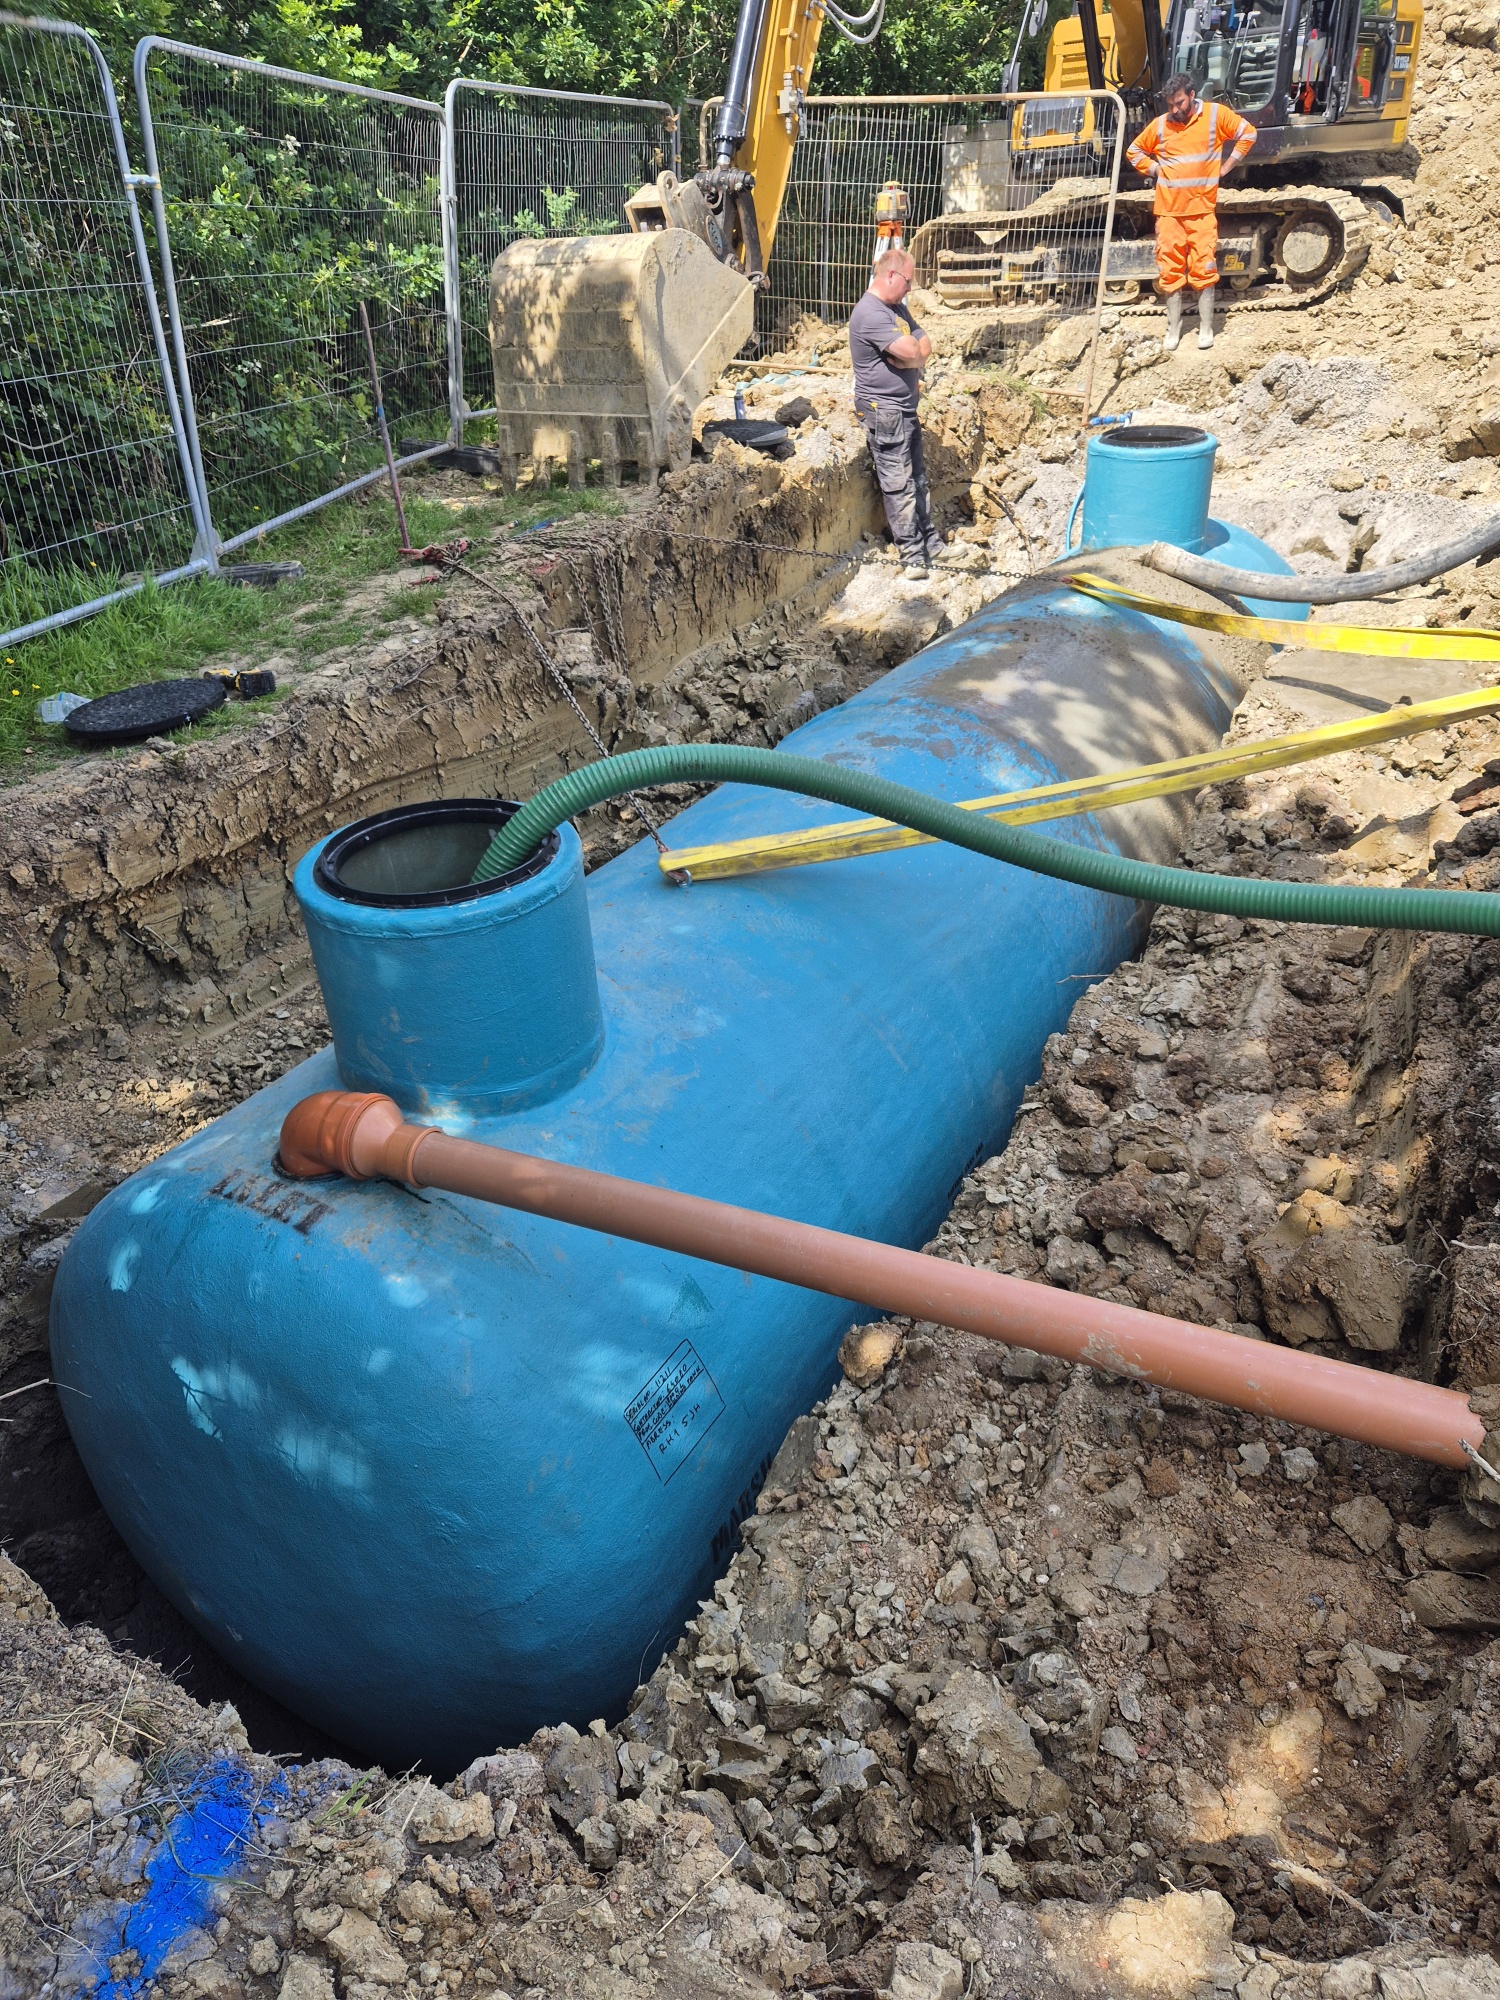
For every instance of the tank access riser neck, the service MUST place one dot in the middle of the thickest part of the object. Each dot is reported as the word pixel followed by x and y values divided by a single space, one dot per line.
pixel 455 1002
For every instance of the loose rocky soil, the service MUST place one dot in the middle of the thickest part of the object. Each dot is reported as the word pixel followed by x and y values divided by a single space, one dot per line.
pixel 1026 1681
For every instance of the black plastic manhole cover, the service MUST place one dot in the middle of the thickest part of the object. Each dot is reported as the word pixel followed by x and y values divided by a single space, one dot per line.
pixel 155 708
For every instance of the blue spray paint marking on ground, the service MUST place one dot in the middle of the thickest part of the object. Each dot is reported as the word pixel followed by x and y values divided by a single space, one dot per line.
pixel 204 1845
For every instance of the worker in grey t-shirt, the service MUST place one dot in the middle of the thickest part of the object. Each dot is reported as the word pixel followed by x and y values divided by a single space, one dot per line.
pixel 888 349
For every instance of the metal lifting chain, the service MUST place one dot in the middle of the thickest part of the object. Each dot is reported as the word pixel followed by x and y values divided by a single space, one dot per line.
pixel 607 588
pixel 611 606
pixel 560 681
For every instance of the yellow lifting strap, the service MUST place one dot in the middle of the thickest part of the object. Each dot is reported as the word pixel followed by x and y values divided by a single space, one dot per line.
pixel 843 839
pixel 1393 642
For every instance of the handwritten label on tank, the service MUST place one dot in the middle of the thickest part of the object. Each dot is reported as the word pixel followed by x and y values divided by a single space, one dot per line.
pixel 671 1413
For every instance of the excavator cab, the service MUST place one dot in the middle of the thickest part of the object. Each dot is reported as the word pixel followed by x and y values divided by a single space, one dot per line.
pixel 1327 77
pixel 1324 59
pixel 1233 53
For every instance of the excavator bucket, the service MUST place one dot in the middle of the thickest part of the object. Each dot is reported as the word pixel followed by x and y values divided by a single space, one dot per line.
pixel 605 345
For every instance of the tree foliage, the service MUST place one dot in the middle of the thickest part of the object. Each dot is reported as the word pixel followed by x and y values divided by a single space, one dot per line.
pixel 670 49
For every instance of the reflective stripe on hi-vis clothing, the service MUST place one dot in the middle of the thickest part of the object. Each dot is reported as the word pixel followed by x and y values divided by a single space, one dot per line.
pixel 1189 158
pixel 1186 247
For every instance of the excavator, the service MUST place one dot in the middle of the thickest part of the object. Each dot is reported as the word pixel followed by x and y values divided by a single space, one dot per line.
pixel 604 346
pixel 1326 82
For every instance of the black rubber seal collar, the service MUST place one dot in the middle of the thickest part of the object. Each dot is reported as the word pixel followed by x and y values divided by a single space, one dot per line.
pixel 351 840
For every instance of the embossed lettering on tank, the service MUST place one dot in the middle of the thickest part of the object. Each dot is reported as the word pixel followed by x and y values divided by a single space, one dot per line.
pixel 743 1508
pixel 272 1199
pixel 673 1412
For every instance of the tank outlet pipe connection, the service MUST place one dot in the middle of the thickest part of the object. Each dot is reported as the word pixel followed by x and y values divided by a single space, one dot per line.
pixel 1323 589
pixel 365 1137
pixel 1470 912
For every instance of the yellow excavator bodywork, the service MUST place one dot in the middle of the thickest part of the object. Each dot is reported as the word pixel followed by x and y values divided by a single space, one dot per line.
pixel 1320 79
pixel 1379 127
pixel 1122 34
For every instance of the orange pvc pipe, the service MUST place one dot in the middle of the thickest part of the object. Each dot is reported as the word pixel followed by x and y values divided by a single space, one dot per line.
pixel 366 1137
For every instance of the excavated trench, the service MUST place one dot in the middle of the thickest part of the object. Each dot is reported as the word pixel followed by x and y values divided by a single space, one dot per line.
pixel 154 970
pixel 1024 1680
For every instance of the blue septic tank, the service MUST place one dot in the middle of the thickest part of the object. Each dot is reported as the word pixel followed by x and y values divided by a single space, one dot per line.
pixel 434 1473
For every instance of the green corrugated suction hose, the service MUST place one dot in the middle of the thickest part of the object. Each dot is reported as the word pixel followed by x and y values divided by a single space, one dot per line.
pixel 1462 910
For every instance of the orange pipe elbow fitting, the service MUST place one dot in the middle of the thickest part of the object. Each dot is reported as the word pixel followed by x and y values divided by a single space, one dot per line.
pixel 358 1133
pixel 365 1136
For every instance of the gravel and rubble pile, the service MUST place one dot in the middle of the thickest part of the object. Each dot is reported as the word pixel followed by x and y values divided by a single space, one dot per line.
pixel 1025 1680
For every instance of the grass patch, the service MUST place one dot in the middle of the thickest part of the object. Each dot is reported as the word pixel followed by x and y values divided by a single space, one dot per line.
pixel 166 634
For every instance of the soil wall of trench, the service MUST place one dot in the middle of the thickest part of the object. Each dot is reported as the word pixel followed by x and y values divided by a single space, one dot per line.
pixel 161 876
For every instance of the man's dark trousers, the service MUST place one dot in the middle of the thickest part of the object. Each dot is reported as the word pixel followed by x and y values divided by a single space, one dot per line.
pixel 896 447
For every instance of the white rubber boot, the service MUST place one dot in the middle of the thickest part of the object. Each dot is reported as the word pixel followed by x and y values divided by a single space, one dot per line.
pixel 1174 322
pixel 1206 317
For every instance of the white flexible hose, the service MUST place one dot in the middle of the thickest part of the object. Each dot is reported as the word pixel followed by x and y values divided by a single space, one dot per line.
pixel 1323 589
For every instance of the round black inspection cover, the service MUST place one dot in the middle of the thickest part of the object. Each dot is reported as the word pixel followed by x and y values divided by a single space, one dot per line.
pixel 759 433
pixel 155 708
pixel 1152 437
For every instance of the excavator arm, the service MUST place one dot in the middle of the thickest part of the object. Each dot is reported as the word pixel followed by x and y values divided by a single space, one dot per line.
pixel 1140 45
pixel 1129 55
pixel 735 203
pixel 755 132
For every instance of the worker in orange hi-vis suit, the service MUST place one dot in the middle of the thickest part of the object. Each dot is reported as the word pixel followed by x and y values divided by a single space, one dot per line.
pixel 1184 153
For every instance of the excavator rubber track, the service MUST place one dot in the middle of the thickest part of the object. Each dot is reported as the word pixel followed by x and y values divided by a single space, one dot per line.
pixel 964 256
pixel 1239 205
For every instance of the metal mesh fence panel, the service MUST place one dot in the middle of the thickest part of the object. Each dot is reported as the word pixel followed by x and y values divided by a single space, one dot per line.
pixel 1010 198
pixel 97 494
pixel 528 162
pixel 284 201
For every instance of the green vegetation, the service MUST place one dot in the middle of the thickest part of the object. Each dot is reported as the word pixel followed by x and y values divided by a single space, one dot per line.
pixel 670 49
pixel 160 634
pixel 565 217
pixel 283 222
